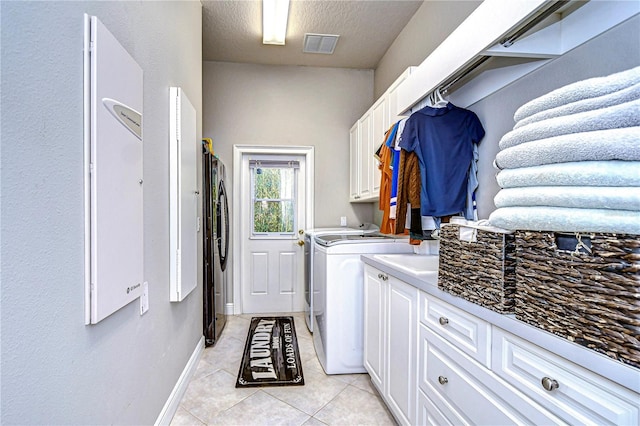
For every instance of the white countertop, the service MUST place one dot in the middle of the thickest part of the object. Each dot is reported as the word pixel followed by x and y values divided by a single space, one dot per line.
pixel 616 371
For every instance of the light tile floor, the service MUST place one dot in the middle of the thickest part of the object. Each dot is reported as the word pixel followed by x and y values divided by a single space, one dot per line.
pixel 212 399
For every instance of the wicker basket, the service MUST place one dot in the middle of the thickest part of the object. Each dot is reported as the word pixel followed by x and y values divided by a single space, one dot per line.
pixel 588 293
pixel 482 271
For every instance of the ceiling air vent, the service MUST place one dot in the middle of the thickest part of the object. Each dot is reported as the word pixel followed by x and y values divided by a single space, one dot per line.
pixel 320 43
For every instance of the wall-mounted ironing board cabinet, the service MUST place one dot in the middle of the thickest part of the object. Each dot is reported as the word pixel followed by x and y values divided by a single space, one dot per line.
pixel 503 40
pixel 114 251
pixel 184 195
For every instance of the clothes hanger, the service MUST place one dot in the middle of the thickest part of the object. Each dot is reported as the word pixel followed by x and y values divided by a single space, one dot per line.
pixel 440 101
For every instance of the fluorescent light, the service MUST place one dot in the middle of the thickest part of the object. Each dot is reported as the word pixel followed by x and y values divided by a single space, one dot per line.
pixel 275 14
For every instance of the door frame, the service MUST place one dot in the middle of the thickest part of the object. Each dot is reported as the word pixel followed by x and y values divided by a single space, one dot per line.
pixel 238 152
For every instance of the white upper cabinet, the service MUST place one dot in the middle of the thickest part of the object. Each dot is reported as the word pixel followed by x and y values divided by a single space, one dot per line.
pixel 366 136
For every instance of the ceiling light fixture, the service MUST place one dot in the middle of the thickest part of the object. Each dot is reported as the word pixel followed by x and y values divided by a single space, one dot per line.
pixel 275 14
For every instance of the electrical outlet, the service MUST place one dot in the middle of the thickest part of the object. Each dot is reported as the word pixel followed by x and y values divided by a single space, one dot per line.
pixel 144 298
pixel 343 221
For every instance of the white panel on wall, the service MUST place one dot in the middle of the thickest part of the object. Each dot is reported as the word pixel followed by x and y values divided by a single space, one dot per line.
pixel 184 194
pixel 113 174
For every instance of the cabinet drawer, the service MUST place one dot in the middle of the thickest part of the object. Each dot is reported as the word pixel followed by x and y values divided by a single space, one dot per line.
pixel 467 393
pixel 429 414
pixel 465 331
pixel 576 395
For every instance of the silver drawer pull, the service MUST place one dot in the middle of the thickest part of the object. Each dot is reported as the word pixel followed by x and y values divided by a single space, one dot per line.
pixel 443 380
pixel 443 321
pixel 380 275
pixel 549 384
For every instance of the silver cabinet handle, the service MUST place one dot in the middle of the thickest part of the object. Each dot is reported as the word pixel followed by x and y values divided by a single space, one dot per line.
pixel 443 380
pixel 550 384
pixel 383 277
pixel 443 320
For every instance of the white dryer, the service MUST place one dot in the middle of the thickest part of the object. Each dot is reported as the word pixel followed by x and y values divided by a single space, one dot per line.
pixel 309 244
pixel 338 303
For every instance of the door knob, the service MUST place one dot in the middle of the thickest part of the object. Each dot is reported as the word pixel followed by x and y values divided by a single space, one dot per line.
pixel 443 380
pixel 300 243
pixel 300 231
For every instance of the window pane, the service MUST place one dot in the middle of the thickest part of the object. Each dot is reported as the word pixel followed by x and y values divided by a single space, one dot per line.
pixel 273 183
pixel 273 216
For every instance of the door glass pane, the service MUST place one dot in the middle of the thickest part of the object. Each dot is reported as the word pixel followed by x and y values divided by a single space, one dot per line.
pixel 273 201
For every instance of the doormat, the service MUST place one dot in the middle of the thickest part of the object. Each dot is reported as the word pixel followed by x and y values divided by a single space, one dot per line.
pixel 271 356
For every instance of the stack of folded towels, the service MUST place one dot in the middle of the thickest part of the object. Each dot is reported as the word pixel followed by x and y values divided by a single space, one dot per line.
pixel 572 161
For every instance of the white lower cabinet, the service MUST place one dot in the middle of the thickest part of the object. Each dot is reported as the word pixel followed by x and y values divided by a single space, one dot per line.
pixel 469 393
pixel 572 392
pixel 428 414
pixel 436 364
pixel 402 320
pixel 375 300
pixel 390 339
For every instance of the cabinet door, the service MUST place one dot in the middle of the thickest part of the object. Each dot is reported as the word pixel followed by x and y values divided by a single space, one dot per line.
pixel 392 97
pixel 402 352
pixel 375 298
pixel 354 162
pixel 379 125
pixel 366 157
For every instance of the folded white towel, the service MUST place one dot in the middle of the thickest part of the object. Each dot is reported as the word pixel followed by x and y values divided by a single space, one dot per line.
pixel 617 116
pixel 605 101
pixel 562 219
pixel 613 144
pixel 578 173
pixel 582 197
pixel 579 90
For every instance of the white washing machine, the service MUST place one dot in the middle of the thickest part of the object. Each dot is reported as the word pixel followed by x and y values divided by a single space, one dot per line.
pixel 338 303
pixel 309 244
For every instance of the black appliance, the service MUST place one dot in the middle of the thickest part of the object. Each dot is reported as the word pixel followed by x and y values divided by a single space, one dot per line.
pixel 215 245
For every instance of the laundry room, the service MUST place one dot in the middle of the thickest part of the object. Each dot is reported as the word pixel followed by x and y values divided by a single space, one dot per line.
pixel 390 212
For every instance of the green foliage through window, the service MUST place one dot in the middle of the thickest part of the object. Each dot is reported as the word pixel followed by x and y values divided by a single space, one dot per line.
pixel 273 204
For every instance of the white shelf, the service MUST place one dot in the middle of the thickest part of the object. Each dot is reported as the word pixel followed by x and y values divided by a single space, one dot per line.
pixel 479 37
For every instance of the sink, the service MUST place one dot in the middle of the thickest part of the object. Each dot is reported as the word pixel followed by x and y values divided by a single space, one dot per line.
pixel 421 266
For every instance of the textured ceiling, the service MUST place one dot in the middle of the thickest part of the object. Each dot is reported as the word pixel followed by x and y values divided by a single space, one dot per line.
pixel 232 31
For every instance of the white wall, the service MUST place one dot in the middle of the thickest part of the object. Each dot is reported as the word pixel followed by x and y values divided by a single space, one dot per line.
pixel 56 370
pixel 430 25
pixel 248 104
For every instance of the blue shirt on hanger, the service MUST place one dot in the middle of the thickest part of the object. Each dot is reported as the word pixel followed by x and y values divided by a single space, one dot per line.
pixel 443 139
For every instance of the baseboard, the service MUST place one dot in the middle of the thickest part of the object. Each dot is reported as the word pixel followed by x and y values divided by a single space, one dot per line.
pixel 228 309
pixel 171 406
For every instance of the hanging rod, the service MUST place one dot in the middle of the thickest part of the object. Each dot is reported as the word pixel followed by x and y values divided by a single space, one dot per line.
pixel 506 42
pixel 544 14
pixel 454 78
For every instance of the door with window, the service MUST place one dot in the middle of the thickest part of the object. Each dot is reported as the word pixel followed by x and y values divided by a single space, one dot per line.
pixel 273 203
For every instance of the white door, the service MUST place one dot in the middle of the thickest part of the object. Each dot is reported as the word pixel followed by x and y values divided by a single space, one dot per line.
pixel 273 202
